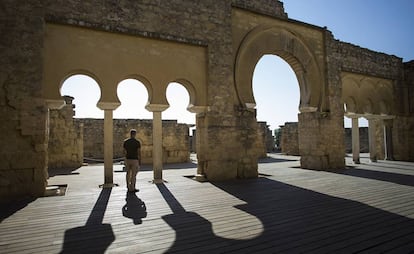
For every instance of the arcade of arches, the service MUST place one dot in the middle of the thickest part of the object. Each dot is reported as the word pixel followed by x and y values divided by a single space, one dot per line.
pixel 212 51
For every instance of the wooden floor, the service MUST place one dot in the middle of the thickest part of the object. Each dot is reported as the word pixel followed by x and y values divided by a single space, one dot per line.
pixel 368 208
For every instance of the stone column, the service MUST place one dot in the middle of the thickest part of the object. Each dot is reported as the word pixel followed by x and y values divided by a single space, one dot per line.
pixel 321 141
pixel 371 138
pixel 200 113
pixel 355 140
pixel 389 154
pixel 108 143
pixel 157 152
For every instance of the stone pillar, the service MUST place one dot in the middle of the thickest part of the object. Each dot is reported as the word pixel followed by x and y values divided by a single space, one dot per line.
pixel 389 153
pixel 157 152
pixel 355 140
pixel 321 141
pixel 51 104
pixel 372 143
pixel 108 143
pixel 200 114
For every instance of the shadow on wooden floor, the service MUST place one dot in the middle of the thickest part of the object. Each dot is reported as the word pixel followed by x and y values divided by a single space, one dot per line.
pixel 294 220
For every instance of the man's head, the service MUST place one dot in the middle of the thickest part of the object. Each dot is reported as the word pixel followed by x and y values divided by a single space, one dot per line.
pixel 133 132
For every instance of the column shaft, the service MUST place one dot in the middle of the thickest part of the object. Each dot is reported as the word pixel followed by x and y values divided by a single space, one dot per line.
pixel 108 146
pixel 389 154
pixel 157 146
pixel 372 143
pixel 355 141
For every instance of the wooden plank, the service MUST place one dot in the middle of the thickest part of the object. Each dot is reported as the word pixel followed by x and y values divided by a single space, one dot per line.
pixel 291 210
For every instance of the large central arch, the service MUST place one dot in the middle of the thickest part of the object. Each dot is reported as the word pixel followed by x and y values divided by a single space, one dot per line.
pixel 278 41
pixel 304 48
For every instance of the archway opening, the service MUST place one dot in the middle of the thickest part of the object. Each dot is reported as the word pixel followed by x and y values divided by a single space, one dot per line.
pixel 86 93
pixel 66 129
pixel 277 96
pixel 180 128
pixel 133 96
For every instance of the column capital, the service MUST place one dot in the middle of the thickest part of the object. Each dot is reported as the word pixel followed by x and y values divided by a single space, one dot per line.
pixel 307 109
pixel 156 107
pixel 108 105
pixel 197 109
pixel 55 104
pixel 353 115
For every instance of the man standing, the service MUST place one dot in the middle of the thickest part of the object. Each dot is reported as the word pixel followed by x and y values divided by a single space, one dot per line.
pixel 132 151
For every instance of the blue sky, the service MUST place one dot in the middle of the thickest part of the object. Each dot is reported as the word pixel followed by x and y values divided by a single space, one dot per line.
pixel 380 25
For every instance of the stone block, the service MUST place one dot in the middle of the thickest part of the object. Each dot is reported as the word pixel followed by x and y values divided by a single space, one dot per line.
pixel 220 170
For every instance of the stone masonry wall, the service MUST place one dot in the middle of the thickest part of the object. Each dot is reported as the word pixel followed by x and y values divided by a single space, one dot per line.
pixel 208 23
pixel 321 133
pixel 176 143
pixel 289 142
pixel 23 112
pixel 367 62
pixel 268 7
pixel 403 134
pixel 65 138
pixel 266 142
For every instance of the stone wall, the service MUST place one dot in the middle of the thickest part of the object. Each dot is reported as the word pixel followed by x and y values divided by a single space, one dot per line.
pixel 176 142
pixel 289 142
pixel 266 140
pixel 23 112
pixel 65 138
pixel 364 61
pixel 24 129
pixel 359 60
pixel 268 7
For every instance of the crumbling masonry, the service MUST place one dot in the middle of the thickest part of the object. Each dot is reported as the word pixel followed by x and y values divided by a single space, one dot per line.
pixel 211 47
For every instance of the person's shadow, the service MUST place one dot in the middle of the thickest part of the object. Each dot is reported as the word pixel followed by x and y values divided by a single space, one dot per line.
pixel 134 208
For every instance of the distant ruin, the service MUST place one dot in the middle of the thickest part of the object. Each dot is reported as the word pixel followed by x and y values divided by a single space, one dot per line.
pixel 73 141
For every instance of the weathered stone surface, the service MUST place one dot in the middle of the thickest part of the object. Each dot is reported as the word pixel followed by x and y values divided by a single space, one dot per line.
pixel 65 138
pixel 289 139
pixel 223 31
pixel 176 142
pixel 363 140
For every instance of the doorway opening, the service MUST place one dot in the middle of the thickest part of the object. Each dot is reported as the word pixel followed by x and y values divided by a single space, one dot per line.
pixel 276 92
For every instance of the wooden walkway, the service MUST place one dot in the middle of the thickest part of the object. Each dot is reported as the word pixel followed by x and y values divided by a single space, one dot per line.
pixel 368 208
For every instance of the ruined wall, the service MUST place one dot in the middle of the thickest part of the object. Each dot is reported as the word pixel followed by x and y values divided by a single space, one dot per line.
pixel 367 62
pixel 403 134
pixel 321 133
pixel 265 139
pixel 176 143
pixel 23 139
pixel 269 139
pixel 267 7
pixel 24 133
pixel 364 61
pixel 289 142
pixel 65 138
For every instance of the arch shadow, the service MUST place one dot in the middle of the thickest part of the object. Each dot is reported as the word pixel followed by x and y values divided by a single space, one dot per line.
pixel 295 220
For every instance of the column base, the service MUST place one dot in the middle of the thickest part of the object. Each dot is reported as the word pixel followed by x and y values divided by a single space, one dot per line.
pixel 158 181
pixel 200 178
pixel 108 185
